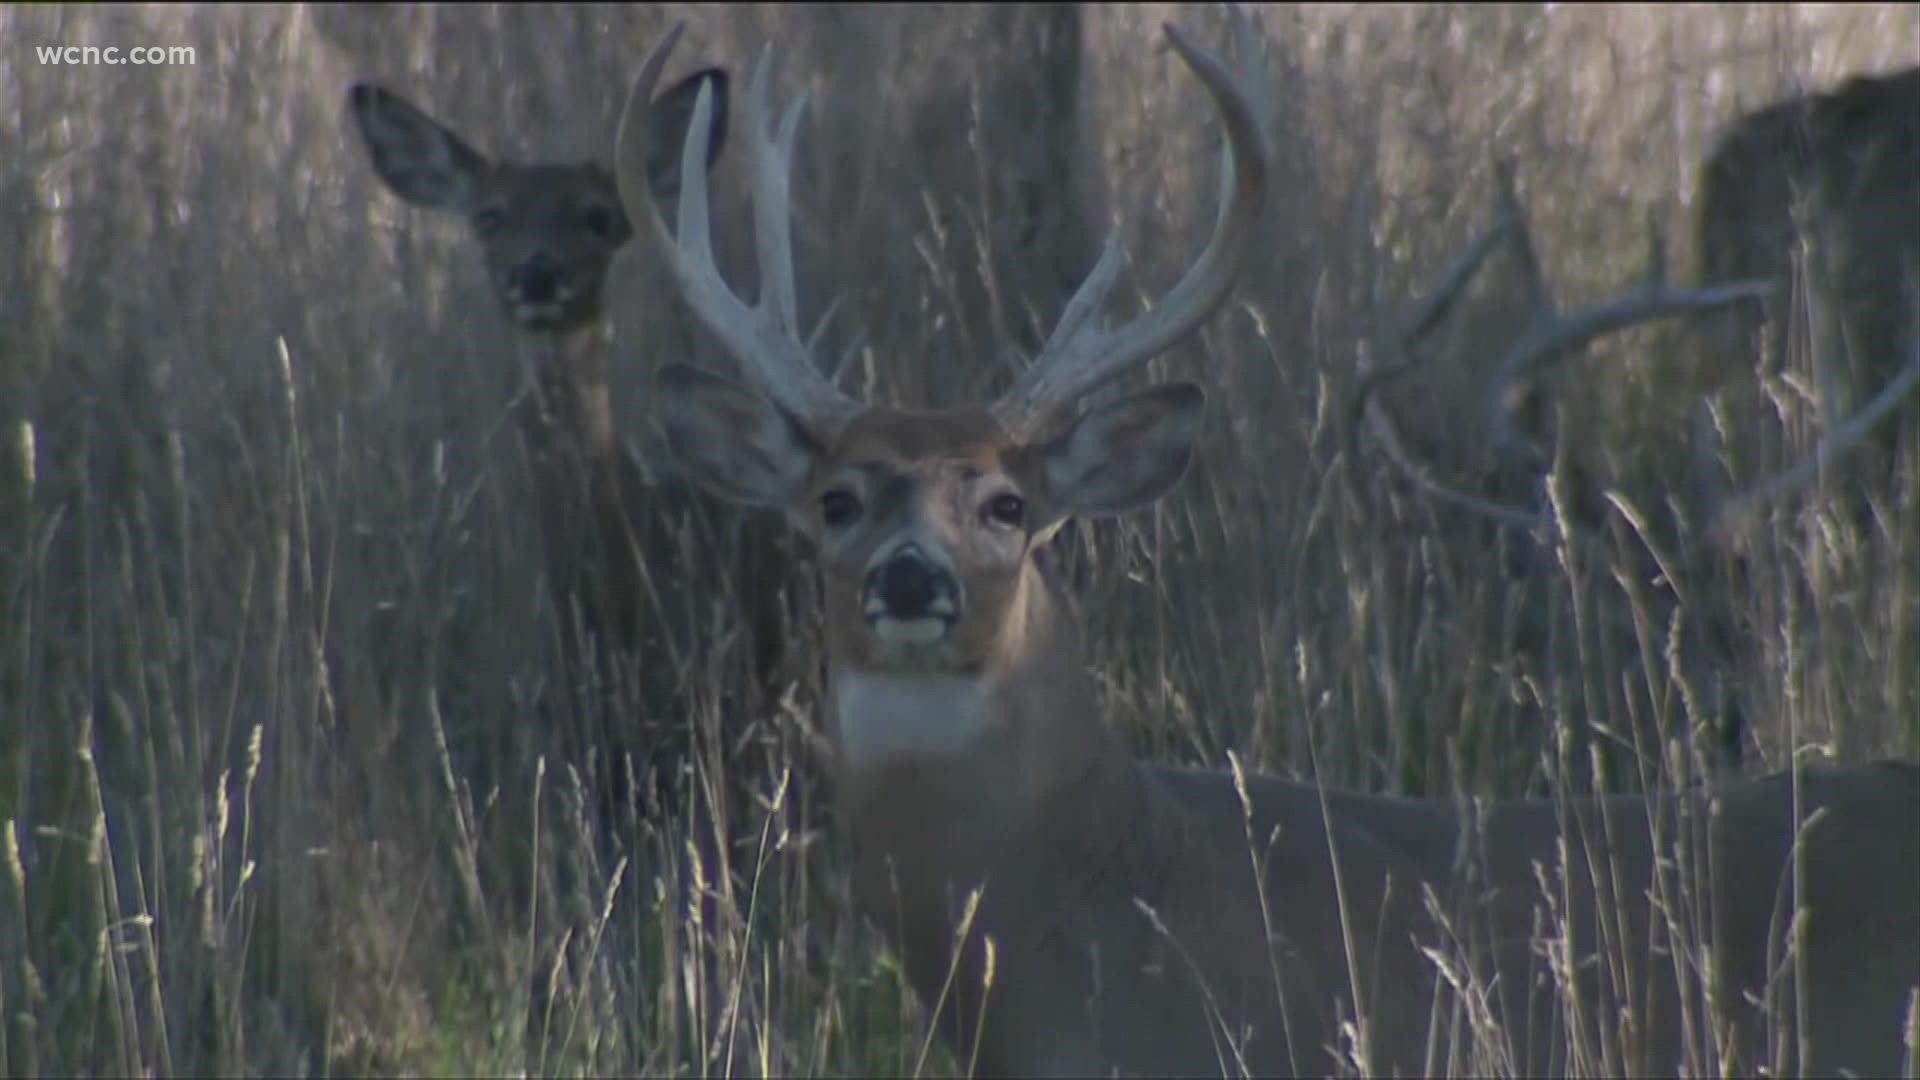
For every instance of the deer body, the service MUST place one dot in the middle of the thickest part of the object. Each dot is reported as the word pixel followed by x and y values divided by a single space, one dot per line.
pixel 1147 920
pixel 1073 843
pixel 1822 192
pixel 639 561
pixel 633 550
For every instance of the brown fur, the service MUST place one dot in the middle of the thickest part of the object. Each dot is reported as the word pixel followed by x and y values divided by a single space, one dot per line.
pixel 1850 156
pixel 1066 910
pixel 1069 836
pixel 635 556
pixel 638 561
pixel 1145 920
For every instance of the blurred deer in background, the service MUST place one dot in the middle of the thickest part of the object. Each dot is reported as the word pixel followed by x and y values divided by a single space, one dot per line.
pixel 1063 909
pixel 1521 405
pixel 1821 193
pixel 1808 243
pixel 640 564
pixel 1810 207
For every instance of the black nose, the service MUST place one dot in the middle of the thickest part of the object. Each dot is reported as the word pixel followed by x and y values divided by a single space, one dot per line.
pixel 907 586
pixel 536 281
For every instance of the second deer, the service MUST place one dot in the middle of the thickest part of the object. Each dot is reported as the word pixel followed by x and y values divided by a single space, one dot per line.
pixel 1822 193
pixel 636 557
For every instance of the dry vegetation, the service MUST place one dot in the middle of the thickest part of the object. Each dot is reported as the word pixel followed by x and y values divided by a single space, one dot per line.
pixel 281 789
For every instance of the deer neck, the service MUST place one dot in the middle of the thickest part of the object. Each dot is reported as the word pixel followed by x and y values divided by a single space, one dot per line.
pixel 1005 778
pixel 585 481
pixel 571 390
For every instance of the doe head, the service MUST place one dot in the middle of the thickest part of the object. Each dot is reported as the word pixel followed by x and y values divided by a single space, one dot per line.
pixel 548 231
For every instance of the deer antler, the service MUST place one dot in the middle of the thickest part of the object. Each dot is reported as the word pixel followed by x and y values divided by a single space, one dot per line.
pixel 766 337
pixel 1082 353
pixel 1550 336
pixel 1731 513
pixel 1428 315
pixel 1553 336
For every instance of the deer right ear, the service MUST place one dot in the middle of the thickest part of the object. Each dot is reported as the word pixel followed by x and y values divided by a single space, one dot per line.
pixel 416 158
pixel 733 441
pixel 1120 456
pixel 671 115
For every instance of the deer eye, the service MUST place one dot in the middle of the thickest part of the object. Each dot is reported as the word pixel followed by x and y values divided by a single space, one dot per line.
pixel 489 220
pixel 839 508
pixel 1006 509
pixel 599 221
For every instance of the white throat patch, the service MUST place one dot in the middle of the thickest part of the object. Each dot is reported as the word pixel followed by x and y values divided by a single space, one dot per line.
pixel 881 716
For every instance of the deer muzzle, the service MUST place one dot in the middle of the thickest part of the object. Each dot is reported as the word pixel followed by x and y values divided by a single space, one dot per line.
pixel 539 291
pixel 909 599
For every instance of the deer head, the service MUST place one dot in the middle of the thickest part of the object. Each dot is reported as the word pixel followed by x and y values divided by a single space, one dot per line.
pixel 927 521
pixel 548 231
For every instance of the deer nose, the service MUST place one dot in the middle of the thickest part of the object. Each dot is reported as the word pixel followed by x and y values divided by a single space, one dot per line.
pixel 909 586
pixel 535 281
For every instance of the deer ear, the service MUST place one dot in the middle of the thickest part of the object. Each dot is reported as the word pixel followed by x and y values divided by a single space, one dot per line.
pixel 1118 457
pixel 732 441
pixel 416 158
pixel 672 115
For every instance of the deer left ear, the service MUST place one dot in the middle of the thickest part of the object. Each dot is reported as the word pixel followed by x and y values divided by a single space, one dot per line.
pixel 1119 457
pixel 417 158
pixel 731 440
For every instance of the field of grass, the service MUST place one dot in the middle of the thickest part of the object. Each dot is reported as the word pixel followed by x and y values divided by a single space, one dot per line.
pixel 289 779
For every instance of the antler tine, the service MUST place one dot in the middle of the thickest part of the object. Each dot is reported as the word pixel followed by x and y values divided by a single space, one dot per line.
pixel 1553 336
pixel 634 135
pixel 772 201
pixel 1732 513
pixel 1081 353
pixel 764 338
pixel 1428 314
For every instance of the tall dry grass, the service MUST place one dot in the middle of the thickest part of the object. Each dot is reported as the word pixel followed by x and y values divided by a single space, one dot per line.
pixel 279 790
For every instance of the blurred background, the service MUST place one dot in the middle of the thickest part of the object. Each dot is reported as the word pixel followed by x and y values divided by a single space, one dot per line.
pixel 278 796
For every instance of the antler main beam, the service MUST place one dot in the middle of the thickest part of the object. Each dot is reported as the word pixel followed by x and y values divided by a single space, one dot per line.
pixel 764 338
pixel 1082 353
pixel 1735 512
pixel 1551 336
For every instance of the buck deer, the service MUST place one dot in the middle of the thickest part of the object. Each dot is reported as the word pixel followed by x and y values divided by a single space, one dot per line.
pixel 1518 407
pixel 1065 909
pixel 1516 400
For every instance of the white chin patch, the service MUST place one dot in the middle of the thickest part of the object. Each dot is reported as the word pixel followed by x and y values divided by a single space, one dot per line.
pixel 929 631
pixel 537 313
pixel 882 717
